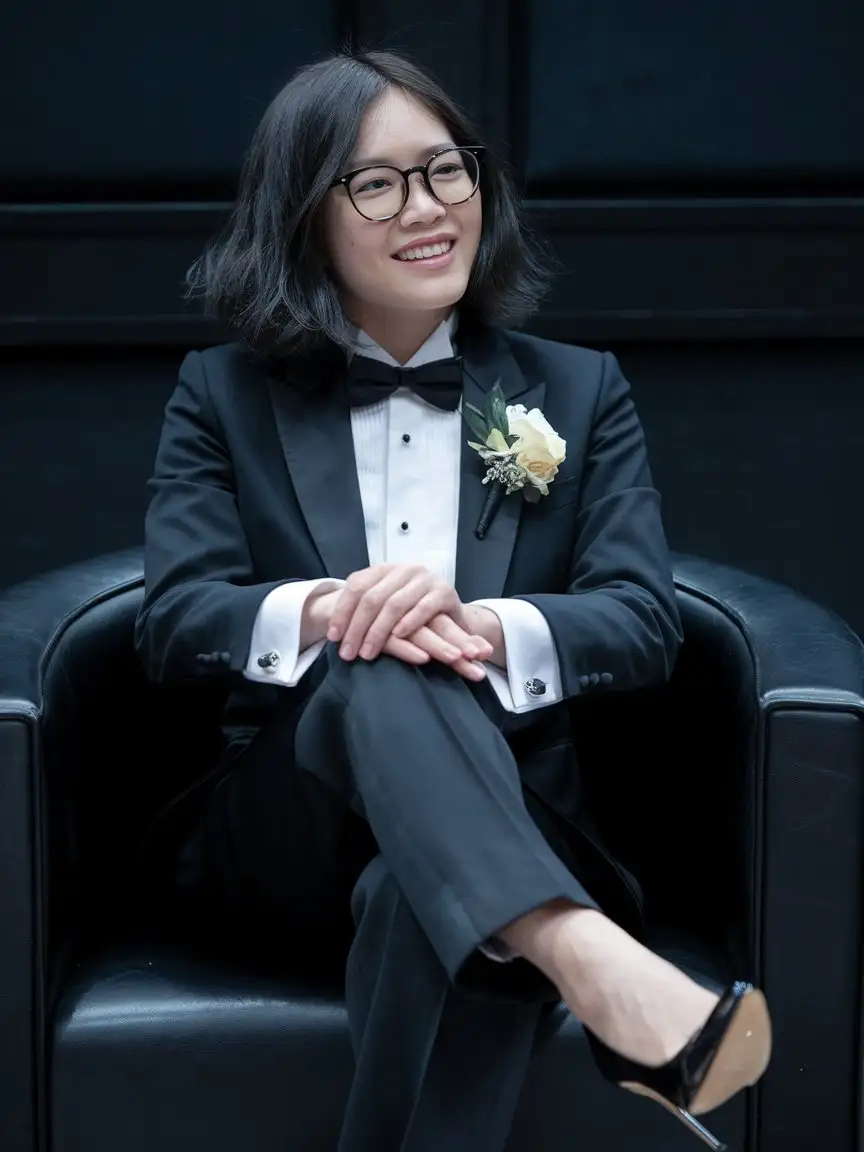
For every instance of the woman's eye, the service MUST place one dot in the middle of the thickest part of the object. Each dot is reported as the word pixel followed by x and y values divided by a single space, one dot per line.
pixel 379 184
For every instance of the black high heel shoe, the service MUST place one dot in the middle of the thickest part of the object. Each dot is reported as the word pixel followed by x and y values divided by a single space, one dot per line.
pixel 730 1052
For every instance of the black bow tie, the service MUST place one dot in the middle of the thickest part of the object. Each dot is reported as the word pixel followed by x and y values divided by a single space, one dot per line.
pixel 371 381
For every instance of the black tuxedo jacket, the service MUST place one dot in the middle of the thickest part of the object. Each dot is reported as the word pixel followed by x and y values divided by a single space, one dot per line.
pixel 255 484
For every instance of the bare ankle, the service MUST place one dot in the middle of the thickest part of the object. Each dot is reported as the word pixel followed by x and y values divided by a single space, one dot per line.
pixel 546 935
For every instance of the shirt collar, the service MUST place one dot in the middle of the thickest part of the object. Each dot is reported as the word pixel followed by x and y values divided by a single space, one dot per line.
pixel 439 346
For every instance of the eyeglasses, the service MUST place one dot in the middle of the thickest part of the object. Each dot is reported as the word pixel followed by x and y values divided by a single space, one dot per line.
pixel 379 193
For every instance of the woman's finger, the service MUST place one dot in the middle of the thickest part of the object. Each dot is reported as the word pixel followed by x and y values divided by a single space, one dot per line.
pixel 471 646
pixel 406 651
pixel 448 654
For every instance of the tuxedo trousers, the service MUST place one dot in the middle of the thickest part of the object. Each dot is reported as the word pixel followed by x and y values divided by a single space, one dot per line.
pixel 392 796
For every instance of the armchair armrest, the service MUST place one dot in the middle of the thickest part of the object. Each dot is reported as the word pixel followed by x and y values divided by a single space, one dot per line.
pixel 807 748
pixel 735 794
pixel 33 620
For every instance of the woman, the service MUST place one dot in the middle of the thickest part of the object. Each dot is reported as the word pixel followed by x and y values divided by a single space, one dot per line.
pixel 402 644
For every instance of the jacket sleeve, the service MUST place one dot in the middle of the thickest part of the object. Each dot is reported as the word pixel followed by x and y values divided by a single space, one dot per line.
pixel 617 626
pixel 200 595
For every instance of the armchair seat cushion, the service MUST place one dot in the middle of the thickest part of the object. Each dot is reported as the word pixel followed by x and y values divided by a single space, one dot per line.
pixel 154 1048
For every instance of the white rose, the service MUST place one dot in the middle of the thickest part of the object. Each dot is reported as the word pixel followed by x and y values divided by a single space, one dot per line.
pixel 539 449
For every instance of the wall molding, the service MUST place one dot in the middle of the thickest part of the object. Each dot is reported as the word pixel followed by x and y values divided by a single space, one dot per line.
pixel 632 269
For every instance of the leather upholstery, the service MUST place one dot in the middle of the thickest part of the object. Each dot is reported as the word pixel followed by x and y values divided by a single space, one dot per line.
pixel 122 1032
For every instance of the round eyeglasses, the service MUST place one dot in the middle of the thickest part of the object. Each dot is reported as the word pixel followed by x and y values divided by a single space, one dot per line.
pixel 380 192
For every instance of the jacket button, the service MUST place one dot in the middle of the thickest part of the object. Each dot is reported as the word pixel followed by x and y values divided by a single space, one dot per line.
pixel 225 657
pixel 606 677
pixel 535 687
pixel 595 679
pixel 269 660
pixel 584 681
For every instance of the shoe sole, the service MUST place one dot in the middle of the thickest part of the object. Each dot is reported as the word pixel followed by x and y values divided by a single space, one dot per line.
pixel 742 1056
pixel 740 1061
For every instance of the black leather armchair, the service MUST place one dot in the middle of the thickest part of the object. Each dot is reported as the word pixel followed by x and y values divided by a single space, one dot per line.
pixel 120 1033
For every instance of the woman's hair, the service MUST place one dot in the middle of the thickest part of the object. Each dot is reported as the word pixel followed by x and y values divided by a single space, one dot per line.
pixel 266 273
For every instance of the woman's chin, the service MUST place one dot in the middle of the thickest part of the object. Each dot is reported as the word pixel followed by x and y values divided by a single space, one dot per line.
pixel 431 297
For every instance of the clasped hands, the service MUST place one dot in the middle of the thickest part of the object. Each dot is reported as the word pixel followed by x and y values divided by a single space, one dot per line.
pixel 405 611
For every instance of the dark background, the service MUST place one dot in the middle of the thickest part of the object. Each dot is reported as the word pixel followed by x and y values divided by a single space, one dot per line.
pixel 698 168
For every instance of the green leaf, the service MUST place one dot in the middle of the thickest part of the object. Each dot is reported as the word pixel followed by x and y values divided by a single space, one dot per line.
pixel 498 410
pixel 476 422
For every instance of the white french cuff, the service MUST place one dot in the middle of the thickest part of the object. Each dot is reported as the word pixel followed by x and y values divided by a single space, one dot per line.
pixel 533 676
pixel 274 653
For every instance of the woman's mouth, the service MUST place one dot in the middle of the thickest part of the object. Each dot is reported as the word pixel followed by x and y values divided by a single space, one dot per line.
pixel 427 255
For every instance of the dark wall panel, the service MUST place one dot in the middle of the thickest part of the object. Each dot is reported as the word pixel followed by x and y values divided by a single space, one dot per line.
pixel 78 437
pixel 704 268
pixel 629 92
pixel 144 92
pixel 758 451
pixel 466 43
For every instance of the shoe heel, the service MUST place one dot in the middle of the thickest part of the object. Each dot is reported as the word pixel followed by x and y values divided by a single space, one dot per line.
pixel 686 1118
pixel 699 1130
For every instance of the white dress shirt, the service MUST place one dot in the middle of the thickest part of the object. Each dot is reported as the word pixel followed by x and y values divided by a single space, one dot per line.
pixel 408 456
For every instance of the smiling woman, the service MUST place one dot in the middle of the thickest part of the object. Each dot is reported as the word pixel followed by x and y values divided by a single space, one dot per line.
pixel 364 489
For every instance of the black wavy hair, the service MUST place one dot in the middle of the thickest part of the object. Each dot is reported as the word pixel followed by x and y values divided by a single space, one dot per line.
pixel 265 274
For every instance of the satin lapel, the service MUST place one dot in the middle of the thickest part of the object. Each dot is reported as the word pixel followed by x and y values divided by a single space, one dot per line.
pixel 482 565
pixel 315 432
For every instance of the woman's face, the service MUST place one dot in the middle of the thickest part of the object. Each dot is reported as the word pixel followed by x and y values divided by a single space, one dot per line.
pixel 376 284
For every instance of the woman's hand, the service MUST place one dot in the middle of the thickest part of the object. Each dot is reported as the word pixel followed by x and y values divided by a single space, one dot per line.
pixel 390 600
pixel 440 638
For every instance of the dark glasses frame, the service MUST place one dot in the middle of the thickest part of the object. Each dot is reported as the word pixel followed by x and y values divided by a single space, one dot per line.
pixel 475 150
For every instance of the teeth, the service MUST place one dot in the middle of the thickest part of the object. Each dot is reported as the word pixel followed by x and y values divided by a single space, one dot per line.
pixel 426 251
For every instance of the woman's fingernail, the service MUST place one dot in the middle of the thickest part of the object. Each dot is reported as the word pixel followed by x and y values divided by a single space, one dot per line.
pixel 366 651
pixel 333 633
pixel 346 652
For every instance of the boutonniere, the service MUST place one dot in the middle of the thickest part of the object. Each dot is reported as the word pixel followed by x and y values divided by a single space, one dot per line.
pixel 521 450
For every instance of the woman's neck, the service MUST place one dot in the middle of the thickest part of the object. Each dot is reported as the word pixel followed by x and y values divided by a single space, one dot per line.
pixel 402 336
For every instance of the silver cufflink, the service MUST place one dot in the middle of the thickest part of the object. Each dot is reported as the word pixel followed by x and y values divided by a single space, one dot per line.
pixel 269 660
pixel 535 687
